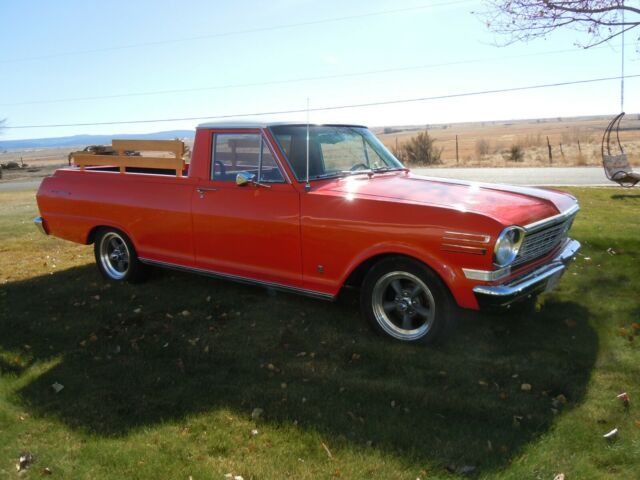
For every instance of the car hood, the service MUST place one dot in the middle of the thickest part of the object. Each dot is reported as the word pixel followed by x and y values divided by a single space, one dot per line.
pixel 507 204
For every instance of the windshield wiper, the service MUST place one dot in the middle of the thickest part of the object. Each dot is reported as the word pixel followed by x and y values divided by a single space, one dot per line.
pixel 387 169
pixel 368 171
pixel 326 175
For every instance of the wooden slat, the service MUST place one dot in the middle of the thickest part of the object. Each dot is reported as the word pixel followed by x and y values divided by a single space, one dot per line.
pixel 123 161
pixel 175 146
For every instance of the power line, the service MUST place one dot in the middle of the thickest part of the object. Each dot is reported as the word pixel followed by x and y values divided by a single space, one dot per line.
pixel 335 107
pixel 289 81
pixel 237 32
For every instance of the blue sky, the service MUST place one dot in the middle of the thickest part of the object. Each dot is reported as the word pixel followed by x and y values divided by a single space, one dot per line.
pixel 443 32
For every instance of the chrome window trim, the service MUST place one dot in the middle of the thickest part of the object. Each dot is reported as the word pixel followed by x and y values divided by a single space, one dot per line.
pixel 552 220
pixel 239 279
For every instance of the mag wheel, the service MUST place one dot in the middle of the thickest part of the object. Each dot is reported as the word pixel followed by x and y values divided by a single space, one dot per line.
pixel 116 258
pixel 403 299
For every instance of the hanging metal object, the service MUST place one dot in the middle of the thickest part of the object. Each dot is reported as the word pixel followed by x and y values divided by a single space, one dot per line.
pixel 614 159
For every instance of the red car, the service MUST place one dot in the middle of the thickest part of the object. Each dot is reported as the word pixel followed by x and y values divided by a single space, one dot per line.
pixel 312 209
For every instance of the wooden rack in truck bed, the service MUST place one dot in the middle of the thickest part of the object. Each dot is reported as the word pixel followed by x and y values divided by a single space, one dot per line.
pixel 124 155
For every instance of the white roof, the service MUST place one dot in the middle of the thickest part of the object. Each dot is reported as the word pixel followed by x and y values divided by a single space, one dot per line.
pixel 256 124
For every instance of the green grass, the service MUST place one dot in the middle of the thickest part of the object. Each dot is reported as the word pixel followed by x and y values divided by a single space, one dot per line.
pixel 153 393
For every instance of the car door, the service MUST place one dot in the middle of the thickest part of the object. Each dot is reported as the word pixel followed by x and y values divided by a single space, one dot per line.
pixel 250 231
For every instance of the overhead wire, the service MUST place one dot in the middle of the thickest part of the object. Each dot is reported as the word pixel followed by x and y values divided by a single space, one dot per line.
pixel 286 81
pixel 333 107
pixel 237 32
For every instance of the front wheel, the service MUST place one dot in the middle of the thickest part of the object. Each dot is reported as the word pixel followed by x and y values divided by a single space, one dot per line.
pixel 405 300
pixel 116 257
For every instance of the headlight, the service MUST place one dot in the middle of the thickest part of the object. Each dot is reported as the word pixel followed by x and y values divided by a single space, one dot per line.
pixel 507 246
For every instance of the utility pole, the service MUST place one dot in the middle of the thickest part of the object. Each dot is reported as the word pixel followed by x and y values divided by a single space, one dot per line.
pixel 622 64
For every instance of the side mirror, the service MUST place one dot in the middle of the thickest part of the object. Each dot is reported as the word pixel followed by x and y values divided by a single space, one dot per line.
pixel 245 178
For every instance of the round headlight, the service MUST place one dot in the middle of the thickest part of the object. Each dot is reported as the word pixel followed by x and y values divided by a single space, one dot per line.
pixel 507 246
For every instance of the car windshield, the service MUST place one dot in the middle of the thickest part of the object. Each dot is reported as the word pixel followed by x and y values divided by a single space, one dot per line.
pixel 333 150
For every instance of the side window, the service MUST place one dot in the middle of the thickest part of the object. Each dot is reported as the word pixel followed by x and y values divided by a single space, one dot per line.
pixel 242 152
pixel 234 153
pixel 269 171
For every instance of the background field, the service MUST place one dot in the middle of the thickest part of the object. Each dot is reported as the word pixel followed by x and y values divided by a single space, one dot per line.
pixel 488 143
pixel 484 144
pixel 160 380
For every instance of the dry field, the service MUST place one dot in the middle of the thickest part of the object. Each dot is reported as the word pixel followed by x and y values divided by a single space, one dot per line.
pixel 574 141
pixel 38 162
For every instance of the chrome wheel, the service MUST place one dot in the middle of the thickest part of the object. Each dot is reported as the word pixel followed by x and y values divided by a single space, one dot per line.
pixel 403 305
pixel 114 256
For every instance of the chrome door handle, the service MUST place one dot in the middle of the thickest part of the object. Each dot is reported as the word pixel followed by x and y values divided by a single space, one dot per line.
pixel 202 190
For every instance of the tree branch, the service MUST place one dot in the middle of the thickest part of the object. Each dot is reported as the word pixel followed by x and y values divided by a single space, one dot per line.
pixel 525 20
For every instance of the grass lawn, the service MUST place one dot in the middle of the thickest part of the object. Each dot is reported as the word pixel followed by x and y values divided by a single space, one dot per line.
pixel 161 379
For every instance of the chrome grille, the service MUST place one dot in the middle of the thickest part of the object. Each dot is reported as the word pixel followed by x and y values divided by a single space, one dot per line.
pixel 540 242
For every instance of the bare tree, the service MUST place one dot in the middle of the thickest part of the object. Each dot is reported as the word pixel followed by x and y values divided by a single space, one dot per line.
pixel 599 20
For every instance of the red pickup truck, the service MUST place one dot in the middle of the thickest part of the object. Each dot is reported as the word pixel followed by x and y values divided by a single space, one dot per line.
pixel 312 209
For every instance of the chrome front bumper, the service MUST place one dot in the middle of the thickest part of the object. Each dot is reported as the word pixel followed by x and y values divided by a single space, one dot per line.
pixel 39 223
pixel 543 278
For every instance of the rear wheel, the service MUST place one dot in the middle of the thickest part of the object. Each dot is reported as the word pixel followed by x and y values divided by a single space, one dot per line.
pixel 116 257
pixel 405 300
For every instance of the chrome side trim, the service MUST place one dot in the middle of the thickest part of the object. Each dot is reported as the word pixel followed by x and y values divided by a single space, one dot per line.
pixel 462 242
pixel 534 278
pixel 486 275
pixel 466 237
pixel 39 223
pixel 552 220
pixel 450 247
pixel 239 279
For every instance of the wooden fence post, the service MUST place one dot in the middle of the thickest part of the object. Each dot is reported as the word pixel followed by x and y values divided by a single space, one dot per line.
pixel 457 158
pixel 579 148
pixel 549 147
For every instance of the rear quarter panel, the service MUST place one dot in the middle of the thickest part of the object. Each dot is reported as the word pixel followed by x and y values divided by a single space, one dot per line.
pixel 153 210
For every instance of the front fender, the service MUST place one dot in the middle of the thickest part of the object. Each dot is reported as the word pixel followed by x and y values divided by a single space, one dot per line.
pixel 448 274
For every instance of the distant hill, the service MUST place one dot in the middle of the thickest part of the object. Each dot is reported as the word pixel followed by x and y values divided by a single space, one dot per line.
pixel 83 140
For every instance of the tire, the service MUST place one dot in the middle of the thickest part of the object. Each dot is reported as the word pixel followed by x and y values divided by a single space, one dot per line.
pixel 116 257
pixel 405 300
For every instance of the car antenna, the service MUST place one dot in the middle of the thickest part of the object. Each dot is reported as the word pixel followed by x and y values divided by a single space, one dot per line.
pixel 307 185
